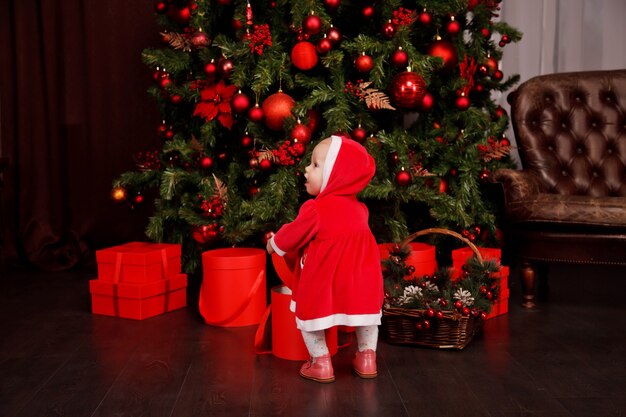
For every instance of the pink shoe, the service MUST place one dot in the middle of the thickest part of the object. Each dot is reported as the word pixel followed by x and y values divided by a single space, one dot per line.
pixel 364 364
pixel 318 369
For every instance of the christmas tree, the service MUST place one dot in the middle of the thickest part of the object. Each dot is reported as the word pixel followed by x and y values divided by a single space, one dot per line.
pixel 246 90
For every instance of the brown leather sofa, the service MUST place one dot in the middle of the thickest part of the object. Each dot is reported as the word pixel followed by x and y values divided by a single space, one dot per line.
pixel 568 202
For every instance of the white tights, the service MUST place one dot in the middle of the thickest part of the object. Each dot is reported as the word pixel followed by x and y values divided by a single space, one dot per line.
pixel 366 336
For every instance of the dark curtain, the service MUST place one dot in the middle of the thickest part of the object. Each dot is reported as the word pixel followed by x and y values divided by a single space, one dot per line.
pixel 74 110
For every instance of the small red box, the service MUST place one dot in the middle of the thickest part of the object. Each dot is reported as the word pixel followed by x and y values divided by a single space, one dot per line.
pixel 462 255
pixel 422 258
pixel 138 262
pixel 501 306
pixel 138 301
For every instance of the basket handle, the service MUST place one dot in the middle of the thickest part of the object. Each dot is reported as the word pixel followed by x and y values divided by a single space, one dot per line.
pixel 440 231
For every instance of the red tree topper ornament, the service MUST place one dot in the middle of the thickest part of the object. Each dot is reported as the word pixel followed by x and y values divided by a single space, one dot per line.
pixel 407 90
pixel 446 51
pixel 304 55
pixel 277 108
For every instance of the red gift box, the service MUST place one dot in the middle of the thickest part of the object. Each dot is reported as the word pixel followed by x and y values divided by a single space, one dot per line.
pixel 138 262
pixel 422 258
pixel 501 306
pixel 462 255
pixel 233 291
pixel 138 301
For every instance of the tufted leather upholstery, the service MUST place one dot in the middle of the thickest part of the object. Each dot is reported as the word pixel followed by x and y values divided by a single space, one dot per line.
pixel 570 129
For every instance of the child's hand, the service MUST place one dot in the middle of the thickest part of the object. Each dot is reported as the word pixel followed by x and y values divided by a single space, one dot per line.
pixel 270 248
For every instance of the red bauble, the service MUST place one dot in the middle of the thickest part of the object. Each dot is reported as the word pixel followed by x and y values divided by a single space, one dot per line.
pixel 427 103
pixel 425 18
pixel 277 108
pixel 407 90
pixel 165 82
pixel 368 12
pixel 453 27
pixel 182 15
pixel 200 39
pixel 403 178
pixel 484 174
pixel 301 133
pixel 334 35
pixel 388 30
pixel 324 46
pixel 236 24
pixel 314 119
pixel 462 103
pixel 225 67
pixel 204 234
pixel 160 6
pixel 332 4
pixel 312 24
pixel 497 75
pixel 445 50
pixel 505 141
pixel 485 32
pixel 471 4
pixel 500 112
pixel 265 164
pixel 210 69
pixel 224 2
pixel 247 140
pixel 206 162
pixel 492 64
pixel 176 98
pixel 400 58
pixel 505 39
pixel 443 186
pixel 304 55
pixel 255 114
pixel 359 134
pixel 138 199
pixel 240 102
pixel 364 63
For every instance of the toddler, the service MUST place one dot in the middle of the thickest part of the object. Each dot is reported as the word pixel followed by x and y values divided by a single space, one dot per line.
pixel 339 279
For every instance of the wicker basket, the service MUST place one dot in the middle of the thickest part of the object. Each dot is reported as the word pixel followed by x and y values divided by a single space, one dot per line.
pixel 452 331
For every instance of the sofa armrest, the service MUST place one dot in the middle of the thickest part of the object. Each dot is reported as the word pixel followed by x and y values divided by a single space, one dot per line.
pixel 518 185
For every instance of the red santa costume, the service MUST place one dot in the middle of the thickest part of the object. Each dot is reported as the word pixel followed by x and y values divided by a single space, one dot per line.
pixel 339 281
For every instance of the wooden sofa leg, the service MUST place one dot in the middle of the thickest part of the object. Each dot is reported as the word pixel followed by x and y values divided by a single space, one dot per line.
pixel 528 285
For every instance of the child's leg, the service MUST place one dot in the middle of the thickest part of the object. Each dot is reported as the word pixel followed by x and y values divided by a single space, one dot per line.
pixel 315 343
pixel 319 368
pixel 367 337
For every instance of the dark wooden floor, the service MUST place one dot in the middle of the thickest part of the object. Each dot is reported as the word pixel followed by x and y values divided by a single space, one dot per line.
pixel 567 358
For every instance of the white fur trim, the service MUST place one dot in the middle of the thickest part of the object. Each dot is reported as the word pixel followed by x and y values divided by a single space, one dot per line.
pixel 354 320
pixel 331 157
pixel 278 251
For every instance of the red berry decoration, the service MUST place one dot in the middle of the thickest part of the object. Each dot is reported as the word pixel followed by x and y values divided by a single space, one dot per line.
pixel 255 114
pixel 407 90
pixel 324 46
pixel 403 178
pixel 240 102
pixel 312 24
pixel 443 186
pixel 462 102
pixel 364 63
pixel 359 134
pixel 389 30
pixel 399 58
pixel 301 133
pixel 276 109
pixel 304 55
pixel 446 51
pixel 458 305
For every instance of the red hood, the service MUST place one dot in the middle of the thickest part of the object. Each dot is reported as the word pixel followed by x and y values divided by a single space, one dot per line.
pixel 352 171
